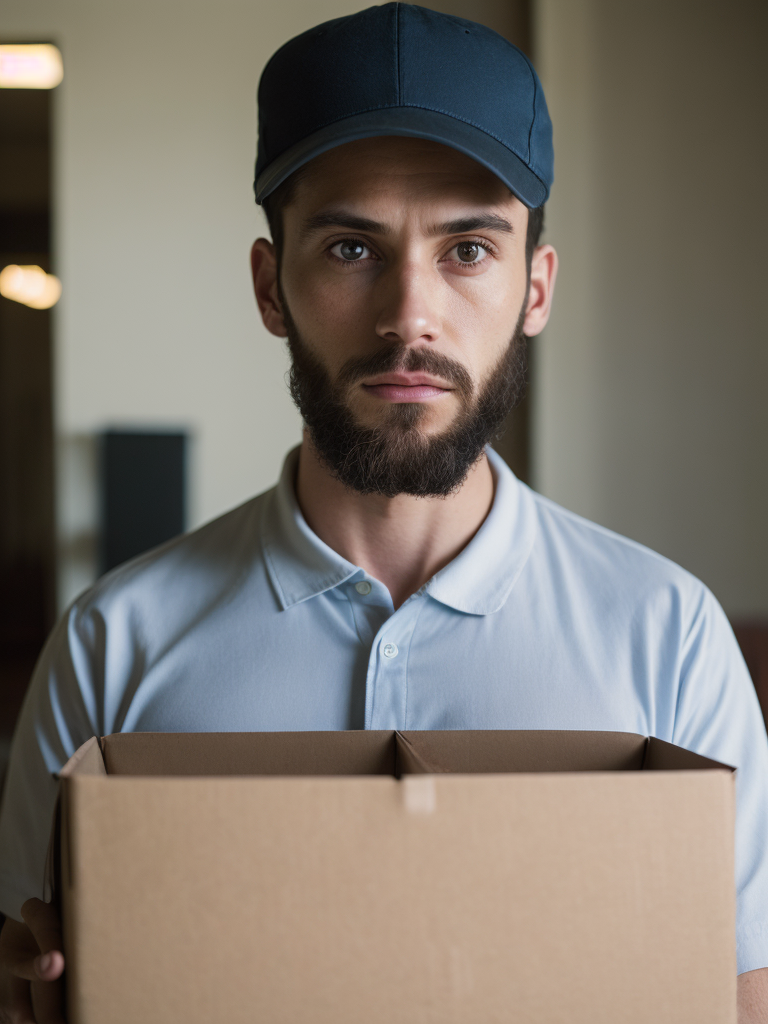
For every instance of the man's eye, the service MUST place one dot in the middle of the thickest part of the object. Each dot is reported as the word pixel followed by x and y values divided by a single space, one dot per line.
pixel 470 252
pixel 350 251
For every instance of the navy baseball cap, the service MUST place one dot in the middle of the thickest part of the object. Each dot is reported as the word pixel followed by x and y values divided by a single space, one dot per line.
pixel 399 69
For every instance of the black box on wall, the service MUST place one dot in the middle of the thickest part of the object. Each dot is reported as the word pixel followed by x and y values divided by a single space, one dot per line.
pixel 143 492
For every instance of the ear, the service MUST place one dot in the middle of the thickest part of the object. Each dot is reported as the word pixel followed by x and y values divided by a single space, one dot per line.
pixel 264 270
pixel 543 275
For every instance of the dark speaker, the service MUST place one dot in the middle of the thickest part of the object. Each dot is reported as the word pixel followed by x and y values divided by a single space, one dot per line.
pixel 143 492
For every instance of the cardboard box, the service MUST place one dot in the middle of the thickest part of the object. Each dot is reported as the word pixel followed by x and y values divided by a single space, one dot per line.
pixel 372 877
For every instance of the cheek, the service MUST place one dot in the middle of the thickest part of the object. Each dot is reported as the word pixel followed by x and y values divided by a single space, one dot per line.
pixel 329 313
pixel 482 322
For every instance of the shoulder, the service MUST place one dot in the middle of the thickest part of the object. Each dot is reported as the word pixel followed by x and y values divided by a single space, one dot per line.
pixel 582 539
pixel 182 576
pixel 611 571
pixel 154 617
pixel 625 597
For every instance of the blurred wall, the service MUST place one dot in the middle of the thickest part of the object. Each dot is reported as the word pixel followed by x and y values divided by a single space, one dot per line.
pixel 650 414
pixel 154 217
pixel 651 393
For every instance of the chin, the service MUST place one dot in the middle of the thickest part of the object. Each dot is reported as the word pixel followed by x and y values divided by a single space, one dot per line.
pixel 408 417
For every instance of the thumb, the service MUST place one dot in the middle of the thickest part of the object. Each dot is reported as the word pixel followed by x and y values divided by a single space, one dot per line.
pixel 42 919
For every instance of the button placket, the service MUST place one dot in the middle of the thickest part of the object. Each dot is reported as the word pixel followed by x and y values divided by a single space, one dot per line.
pixel 370 608
pixel 387 683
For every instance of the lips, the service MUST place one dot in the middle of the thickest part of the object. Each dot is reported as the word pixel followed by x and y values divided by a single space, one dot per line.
pixel 406 387
pixel 408 380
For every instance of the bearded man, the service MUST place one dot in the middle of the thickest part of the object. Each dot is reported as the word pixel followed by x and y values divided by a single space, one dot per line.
pixel 399 576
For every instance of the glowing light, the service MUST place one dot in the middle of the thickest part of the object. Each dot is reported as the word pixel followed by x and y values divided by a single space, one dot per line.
pixel 30 66
pixel 30 285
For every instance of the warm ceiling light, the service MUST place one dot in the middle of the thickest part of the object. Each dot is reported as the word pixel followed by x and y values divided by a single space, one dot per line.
pixel 30 66
pixel 30 286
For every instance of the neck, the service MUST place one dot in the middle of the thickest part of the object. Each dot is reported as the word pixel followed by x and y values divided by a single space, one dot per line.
pixel 401 541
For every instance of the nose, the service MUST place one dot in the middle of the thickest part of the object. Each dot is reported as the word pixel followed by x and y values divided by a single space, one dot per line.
pixel 409 305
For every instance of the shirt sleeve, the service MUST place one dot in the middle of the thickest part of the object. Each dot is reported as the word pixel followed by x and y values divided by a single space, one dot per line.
pixel 718 715
pixel 58 715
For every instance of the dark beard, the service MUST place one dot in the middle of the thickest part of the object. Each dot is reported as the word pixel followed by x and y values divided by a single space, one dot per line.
pixel 396 457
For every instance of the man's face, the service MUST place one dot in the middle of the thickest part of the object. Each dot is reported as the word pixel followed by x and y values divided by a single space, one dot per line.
pixel 402 285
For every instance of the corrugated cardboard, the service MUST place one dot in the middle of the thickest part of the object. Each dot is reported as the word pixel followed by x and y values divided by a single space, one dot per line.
pixel 372 877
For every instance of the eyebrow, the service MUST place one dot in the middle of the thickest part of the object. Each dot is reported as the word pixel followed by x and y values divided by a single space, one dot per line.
pixel 480 222
pixel 460 226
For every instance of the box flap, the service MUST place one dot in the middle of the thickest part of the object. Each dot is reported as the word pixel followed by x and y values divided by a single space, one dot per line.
pixel 370 752
pixel 86 760
pixel 410 762
pixel 491 750
pixel 357 752
pixel 663 756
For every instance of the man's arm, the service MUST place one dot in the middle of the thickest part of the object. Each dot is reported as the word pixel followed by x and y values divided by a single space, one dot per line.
pixel 61 710
pixel 752 991
pixel 31 965
pixel 718 715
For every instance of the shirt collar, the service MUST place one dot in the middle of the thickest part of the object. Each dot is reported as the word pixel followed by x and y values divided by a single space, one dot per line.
pixel 300 565
pixel 478 581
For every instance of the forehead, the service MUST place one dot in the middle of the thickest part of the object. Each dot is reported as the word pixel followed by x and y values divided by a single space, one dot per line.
pixel 397 169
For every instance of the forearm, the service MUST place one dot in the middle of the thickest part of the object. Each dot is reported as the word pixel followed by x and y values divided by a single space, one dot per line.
pixel 752 997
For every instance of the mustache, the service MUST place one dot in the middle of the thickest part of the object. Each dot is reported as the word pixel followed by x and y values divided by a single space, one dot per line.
pixel 394 359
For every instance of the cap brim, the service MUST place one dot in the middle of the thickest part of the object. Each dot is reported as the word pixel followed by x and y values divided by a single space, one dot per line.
pixel 417 123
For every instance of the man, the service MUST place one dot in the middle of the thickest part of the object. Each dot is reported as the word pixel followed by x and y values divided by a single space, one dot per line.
pixel 398 576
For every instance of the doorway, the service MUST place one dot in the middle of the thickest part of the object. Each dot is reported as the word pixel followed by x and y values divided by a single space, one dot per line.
pixel 27 545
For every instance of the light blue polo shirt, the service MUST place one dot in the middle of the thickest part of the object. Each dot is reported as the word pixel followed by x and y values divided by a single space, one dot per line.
pixel 544 621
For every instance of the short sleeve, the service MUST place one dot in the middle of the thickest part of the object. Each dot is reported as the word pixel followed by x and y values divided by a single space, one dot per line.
pixel 718 715
pixel 58 715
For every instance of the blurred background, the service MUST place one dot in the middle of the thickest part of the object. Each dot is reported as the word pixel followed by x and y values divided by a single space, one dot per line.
pixel 148 398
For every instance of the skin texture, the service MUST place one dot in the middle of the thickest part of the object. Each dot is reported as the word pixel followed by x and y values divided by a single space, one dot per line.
pixel 752 988
pixel 411 289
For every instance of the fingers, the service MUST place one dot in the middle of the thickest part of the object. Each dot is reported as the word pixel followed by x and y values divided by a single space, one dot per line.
pixel 18 950
pixel 43 921
pixel 49 966
pixel 19 1010
pixel 31 952
pixel 48 1002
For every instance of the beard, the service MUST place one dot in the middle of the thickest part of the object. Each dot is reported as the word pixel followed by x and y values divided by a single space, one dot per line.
pixel 396 456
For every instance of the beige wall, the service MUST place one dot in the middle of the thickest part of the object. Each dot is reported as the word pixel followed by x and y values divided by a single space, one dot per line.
pixel 651 398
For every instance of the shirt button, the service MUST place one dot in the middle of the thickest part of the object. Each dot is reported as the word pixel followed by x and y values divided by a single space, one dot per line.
pixel 390 650
pixel 363 587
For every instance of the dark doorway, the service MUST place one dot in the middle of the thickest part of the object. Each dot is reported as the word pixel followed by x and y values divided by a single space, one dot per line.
pixel 27 554
pixel 143 492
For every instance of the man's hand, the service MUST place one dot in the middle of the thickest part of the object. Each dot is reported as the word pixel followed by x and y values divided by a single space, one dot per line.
pixel 31 965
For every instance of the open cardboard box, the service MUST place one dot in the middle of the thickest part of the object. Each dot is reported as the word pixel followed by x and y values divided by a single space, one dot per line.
pixel 371 877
